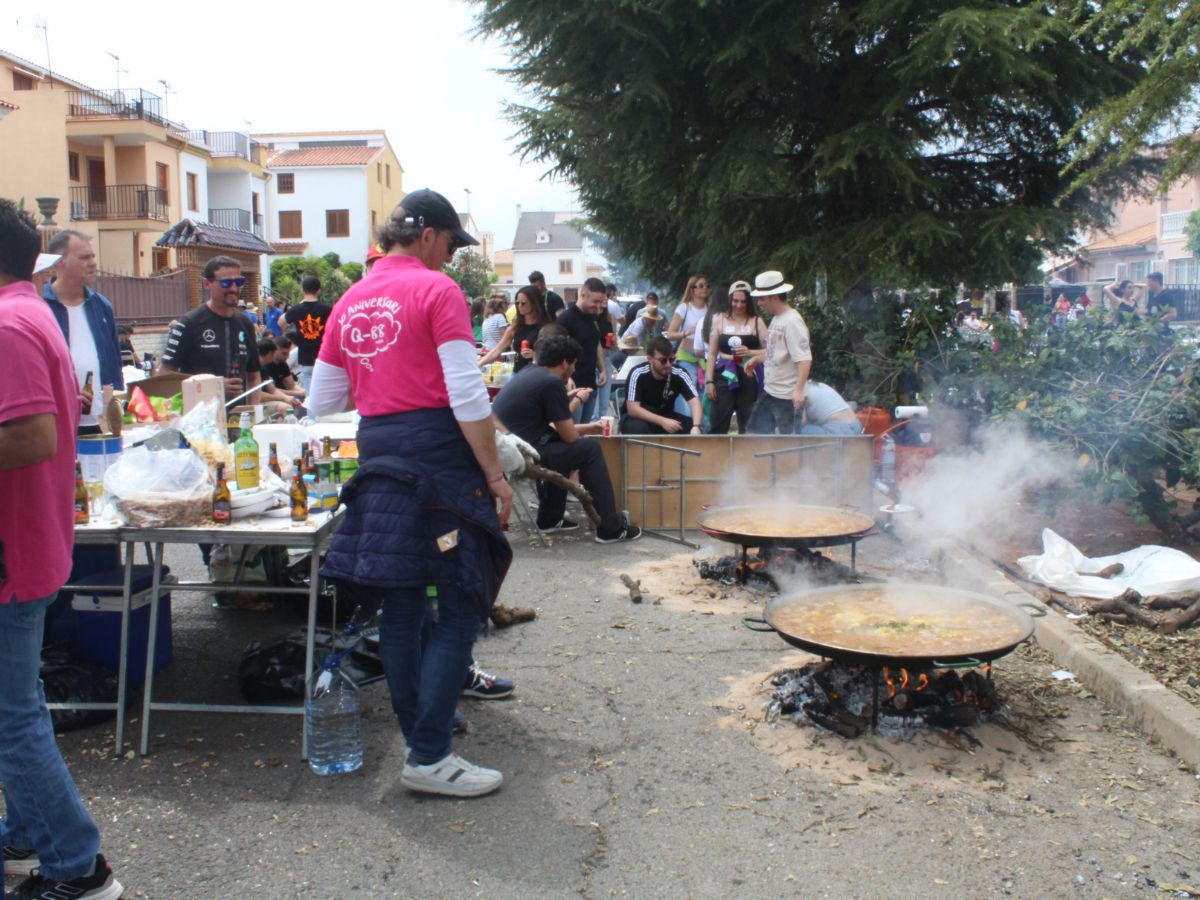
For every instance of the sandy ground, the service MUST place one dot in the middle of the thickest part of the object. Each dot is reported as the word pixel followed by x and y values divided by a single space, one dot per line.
pixel 638 763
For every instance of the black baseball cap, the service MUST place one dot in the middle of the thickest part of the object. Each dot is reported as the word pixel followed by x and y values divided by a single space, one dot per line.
pixel 429 209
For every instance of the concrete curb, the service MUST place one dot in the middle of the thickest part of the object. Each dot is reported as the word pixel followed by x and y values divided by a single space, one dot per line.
pixel 1154 708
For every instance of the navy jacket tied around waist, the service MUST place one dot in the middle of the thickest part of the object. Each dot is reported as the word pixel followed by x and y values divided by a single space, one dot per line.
pixel 418 482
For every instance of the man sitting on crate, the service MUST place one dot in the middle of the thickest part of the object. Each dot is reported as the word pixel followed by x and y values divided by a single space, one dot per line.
pixel 535 407
pixel 653 387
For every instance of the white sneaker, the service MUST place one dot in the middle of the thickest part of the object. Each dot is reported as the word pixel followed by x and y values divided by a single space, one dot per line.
pixel 451 777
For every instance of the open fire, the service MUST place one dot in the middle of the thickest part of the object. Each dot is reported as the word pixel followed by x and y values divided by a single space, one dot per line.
pixel 775 565
pixel 848 700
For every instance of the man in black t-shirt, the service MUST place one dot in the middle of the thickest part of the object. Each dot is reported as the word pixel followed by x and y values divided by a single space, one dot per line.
pixel 587 322
pixel 1160 303
pixel 554 301
pixel 216 339
pixel 534 406
pixel 652 389
pixel 308 318
pixel 278 383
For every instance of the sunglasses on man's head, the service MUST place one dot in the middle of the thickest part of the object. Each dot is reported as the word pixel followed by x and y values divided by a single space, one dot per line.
pixel 227 283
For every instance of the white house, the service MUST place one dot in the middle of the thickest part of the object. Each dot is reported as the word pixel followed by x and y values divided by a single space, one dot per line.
pixel 544 242
pixel 329 191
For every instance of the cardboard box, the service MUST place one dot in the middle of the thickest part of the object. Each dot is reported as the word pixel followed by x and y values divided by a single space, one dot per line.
pixel 200 388
pixel 168 384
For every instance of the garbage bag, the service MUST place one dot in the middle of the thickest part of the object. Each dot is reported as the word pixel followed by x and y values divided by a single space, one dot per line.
pixel 273 672
pixel 67 680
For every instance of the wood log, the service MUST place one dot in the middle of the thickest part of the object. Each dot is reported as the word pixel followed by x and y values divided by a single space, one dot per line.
pixel 1110 570
pixel 533 470
pixel 1049 597
pixel 1121 605
pixel 635 588
pixel 1115 618
pixel 1182 602
pixel 506 616
pixel 1181 619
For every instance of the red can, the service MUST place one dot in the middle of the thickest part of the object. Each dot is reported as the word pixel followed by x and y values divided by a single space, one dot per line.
pixel 609 340
pixel 524 346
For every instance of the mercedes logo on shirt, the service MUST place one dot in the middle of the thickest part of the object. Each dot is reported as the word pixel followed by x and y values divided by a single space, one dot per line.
pixel 209 336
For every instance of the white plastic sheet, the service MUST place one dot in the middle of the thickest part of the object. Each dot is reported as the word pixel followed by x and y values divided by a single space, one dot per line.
pixel 1150 570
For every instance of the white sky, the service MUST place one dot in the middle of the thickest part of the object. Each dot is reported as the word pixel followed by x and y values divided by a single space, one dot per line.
pixel 409 67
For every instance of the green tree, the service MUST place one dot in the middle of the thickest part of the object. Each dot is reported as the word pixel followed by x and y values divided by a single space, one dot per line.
pixel 1192 230
pixel 859 143
pixel 472 272
pixel 1159 108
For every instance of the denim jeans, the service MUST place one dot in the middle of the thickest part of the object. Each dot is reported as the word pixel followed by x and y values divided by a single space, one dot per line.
pixel 771 413
pixel 587 412
pixel 425 678
pixel 693 370
pixel 43 811
pixel 306 377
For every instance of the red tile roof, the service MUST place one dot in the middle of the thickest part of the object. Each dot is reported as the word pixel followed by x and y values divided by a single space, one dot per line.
pixel 324 156
pixel 290 248
pixel 8 105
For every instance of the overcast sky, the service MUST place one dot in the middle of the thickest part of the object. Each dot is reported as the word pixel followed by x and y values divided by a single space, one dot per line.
pixel 411 68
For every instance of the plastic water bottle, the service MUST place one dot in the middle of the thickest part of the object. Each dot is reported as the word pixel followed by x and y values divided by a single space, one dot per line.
pixel 887 461
pixel 333 721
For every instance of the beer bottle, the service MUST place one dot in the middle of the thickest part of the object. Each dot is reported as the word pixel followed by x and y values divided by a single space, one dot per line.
pixel 245 454
pixel 87 381
pixel 82 517
pixel 327 447
pixel 299 495
pixel 273 460
pixel 222 504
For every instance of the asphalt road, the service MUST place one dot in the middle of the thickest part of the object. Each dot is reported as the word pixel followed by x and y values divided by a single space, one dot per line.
pixel 636 764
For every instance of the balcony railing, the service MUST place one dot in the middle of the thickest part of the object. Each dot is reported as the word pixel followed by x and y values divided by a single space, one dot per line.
pixel 119 201
pixel 225 143
pixel 241 219
pixel 230 218
pixel 1172 224
pixel 123 103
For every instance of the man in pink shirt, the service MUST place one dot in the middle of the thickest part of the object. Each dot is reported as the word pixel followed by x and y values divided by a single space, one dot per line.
pixel 46 831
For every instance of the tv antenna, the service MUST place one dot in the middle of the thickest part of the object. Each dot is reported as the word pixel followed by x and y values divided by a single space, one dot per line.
pixel 39 24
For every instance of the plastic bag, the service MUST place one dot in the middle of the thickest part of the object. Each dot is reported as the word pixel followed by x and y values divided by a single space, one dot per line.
pixel 1150 570
pixel 200 428
pixel 152 489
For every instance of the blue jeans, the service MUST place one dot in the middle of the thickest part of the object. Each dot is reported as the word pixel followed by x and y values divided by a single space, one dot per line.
pixel 771 413
pixel 306 377
pixel 587 411
pixel 43 811
pixel 425 678
pixel 693 370
pixel 846 428
pixel 604 392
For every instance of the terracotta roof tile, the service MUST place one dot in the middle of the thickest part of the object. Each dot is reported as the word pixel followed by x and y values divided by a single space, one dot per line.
pixel 1135 237
pixel 290 248
pixel 324 156
pixel 8 105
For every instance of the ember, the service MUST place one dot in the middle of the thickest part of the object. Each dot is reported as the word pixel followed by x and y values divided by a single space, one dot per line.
pixel 775 565
pixel 850 699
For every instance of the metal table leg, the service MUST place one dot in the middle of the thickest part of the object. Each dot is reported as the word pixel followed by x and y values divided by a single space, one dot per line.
pixel 123 664
pixel 151 645
pixel 314 589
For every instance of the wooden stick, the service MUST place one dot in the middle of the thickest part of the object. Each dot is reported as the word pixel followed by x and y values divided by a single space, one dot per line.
pixel 1120 605
pixel 635 588
pixel 1172 602
pixel 533 470
pixel 1110 570
pixel 1182 619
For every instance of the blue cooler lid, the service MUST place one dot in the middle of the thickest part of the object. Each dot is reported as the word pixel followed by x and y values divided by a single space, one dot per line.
pixel 142 578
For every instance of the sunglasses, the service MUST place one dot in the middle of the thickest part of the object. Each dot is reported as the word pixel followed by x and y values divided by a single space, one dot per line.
pixel 227 283
pixel 453 244
pixel 663 359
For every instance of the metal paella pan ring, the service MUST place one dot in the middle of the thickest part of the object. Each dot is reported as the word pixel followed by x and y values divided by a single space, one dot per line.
pixel 898 624
pixel 795 524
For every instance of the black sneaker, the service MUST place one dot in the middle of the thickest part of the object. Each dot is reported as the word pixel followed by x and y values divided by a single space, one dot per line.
pixel 628 533
pixel 100 885
pixel 563 525
pixel 483 686
pixel 20 862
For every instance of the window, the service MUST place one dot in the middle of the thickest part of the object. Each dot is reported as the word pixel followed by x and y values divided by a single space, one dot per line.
pixel 566 266
pixel 337 223
pixel 73 166
pixel 1137 271
pixel 379 172
pixel 163 174
pixel 286 183
pixel 543 237
pixel 374 221
pixel 22 82
pixel 1181 271
pixel 289 225
pixel 387 175
pixel 192 191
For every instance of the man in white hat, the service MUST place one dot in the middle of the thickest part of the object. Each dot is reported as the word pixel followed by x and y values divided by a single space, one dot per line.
pixel 787 360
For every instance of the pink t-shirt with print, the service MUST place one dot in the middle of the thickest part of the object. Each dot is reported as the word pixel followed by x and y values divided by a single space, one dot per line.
pixel 37 502
pixel 385 331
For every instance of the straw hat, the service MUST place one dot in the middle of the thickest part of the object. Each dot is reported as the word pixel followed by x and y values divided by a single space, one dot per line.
pixel 629 342
pixel 651 313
